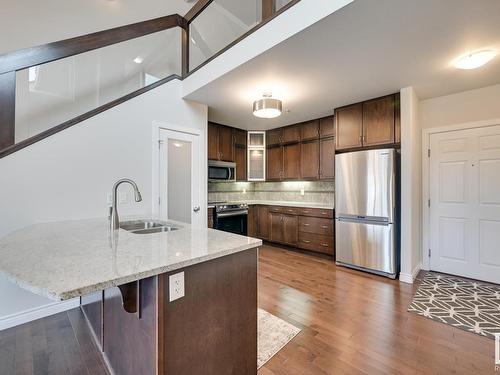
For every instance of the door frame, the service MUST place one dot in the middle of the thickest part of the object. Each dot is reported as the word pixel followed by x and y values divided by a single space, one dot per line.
pixel 157 127
pixel 425 193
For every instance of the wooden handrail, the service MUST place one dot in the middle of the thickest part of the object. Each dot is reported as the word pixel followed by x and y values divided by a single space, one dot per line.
pixel 45 53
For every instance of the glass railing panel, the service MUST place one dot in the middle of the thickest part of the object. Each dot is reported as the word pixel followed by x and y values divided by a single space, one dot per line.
pixel 280 4
pixel 50 94
pixel 221 23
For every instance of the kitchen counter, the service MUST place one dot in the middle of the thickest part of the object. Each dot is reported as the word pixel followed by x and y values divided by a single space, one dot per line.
pixel 68 259
pixel 281 203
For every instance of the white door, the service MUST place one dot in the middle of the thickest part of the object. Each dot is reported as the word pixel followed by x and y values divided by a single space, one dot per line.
pixel 465 203
pixel 180 172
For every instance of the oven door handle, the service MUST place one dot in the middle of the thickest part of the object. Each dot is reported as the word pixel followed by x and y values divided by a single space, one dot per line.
pixel 232 213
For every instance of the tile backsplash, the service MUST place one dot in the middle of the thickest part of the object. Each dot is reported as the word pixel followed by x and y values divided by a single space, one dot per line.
pixel 321 192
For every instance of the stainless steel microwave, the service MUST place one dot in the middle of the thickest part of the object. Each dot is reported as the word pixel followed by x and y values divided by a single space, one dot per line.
pixel 221 171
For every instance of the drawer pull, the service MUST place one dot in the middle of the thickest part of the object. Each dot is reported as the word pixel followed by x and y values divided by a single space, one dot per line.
pixel 305 211
pixel 324 226
pixel 306 225
pixel 324 213
pixel 324 244
pixel 306 241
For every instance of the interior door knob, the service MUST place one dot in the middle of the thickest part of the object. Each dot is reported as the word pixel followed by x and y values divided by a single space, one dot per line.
pixel 196 208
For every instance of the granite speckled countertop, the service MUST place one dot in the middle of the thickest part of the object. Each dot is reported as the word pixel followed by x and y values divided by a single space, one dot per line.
pixel 68 259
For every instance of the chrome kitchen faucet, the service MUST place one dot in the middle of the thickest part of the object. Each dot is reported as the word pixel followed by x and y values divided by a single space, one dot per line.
pixel 114 221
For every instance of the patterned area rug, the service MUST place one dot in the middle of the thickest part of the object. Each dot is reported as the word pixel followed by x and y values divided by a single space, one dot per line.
pixel 274 334
pixel 462 303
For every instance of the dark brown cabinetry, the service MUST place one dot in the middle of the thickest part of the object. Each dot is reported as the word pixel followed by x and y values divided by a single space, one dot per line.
pixel 252 221
pixel 274 163
pixel 273 137
pixel 327 127
pixel 349 126
pixel 378 121
pixel 309 160
pixel 306 228
pixel 291 162
pixel 368 124
pixel 293 152
pixel 263 222
pixel 327 159
pixel 310 130
pixel 228 144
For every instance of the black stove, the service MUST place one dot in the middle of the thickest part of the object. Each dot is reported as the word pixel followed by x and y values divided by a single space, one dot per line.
pixel 231 217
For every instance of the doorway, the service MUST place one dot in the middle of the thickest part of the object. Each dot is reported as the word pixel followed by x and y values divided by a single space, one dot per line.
pixel 180 177
pixel 464 212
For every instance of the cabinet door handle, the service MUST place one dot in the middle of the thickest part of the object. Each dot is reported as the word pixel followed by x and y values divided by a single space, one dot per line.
pixel 306 241
pixel 306 225
pixel 324 213
pixel 324 244
pixel 324 226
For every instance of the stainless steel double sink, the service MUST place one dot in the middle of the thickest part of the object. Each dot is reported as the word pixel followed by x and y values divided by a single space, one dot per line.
pixel 147 226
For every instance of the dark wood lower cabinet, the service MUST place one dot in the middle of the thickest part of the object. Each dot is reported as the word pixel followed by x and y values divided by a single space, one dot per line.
pixel 212 330
pixel 263 222
pixel 252 223
pixel 305 228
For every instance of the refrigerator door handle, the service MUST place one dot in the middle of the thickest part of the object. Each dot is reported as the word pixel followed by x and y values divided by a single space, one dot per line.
pixel 364 219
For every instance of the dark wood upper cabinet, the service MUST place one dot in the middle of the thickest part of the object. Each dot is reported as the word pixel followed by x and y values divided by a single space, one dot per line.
pixel 226 145
pixel 274 163
pixel 349 126
pixel 240 157
pixel 326 127
pixel 378 121
pixel 290 229
pixel 397 118
pixel 240 138
pixel 291 162
pixel 263 222
pixel 291 134
pixel 309 160
pixel 309 130
pixel 273 137
pixel 327 159
pixel 213 141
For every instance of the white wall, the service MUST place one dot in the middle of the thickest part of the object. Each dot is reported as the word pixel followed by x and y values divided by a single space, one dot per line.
pixel 410 186
pixel 69 175
pixel 27 23
pixel 467 106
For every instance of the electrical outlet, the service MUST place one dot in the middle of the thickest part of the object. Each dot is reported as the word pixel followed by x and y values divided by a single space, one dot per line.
pixel 176 286
pixel 302 192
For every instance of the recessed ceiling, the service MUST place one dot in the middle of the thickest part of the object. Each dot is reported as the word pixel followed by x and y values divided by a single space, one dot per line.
pixel 364 50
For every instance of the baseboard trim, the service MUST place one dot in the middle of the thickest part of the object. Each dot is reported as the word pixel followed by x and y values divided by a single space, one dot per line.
pixel 410 278
pixel 29 315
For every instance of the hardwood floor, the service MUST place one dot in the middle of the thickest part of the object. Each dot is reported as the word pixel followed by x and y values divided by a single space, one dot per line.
pixel 57 345
pixel 356 323
pixel 352 323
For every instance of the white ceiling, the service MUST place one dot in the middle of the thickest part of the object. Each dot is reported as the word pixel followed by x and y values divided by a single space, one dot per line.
pixel 367 49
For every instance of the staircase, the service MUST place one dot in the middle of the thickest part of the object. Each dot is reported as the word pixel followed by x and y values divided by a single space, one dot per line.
pixel 49 88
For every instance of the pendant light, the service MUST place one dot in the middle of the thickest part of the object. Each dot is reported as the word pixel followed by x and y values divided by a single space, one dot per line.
pixel 267 107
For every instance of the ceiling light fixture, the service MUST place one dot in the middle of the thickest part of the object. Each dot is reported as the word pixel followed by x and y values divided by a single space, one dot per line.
pixel 138 60
pixel 267 107
pixel 474 60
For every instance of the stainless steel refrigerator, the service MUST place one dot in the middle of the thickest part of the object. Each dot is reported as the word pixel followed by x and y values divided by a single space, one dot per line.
pixel 366 211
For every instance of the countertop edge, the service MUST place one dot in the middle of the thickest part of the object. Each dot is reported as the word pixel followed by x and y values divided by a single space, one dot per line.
pixel 64 296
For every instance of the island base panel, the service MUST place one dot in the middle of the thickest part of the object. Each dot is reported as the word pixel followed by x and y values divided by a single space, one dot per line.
pixel 212 330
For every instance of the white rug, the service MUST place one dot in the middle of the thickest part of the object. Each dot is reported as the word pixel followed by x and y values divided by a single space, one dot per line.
pixel 274 334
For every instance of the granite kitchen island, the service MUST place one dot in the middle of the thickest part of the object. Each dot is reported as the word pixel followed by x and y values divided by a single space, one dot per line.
pixel 124 282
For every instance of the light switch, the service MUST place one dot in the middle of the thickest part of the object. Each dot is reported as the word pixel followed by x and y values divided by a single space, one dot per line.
pixel 176 286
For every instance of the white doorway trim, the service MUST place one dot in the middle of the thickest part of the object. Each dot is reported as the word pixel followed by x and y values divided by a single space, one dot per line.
pixel 426 135
pixel 157 127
